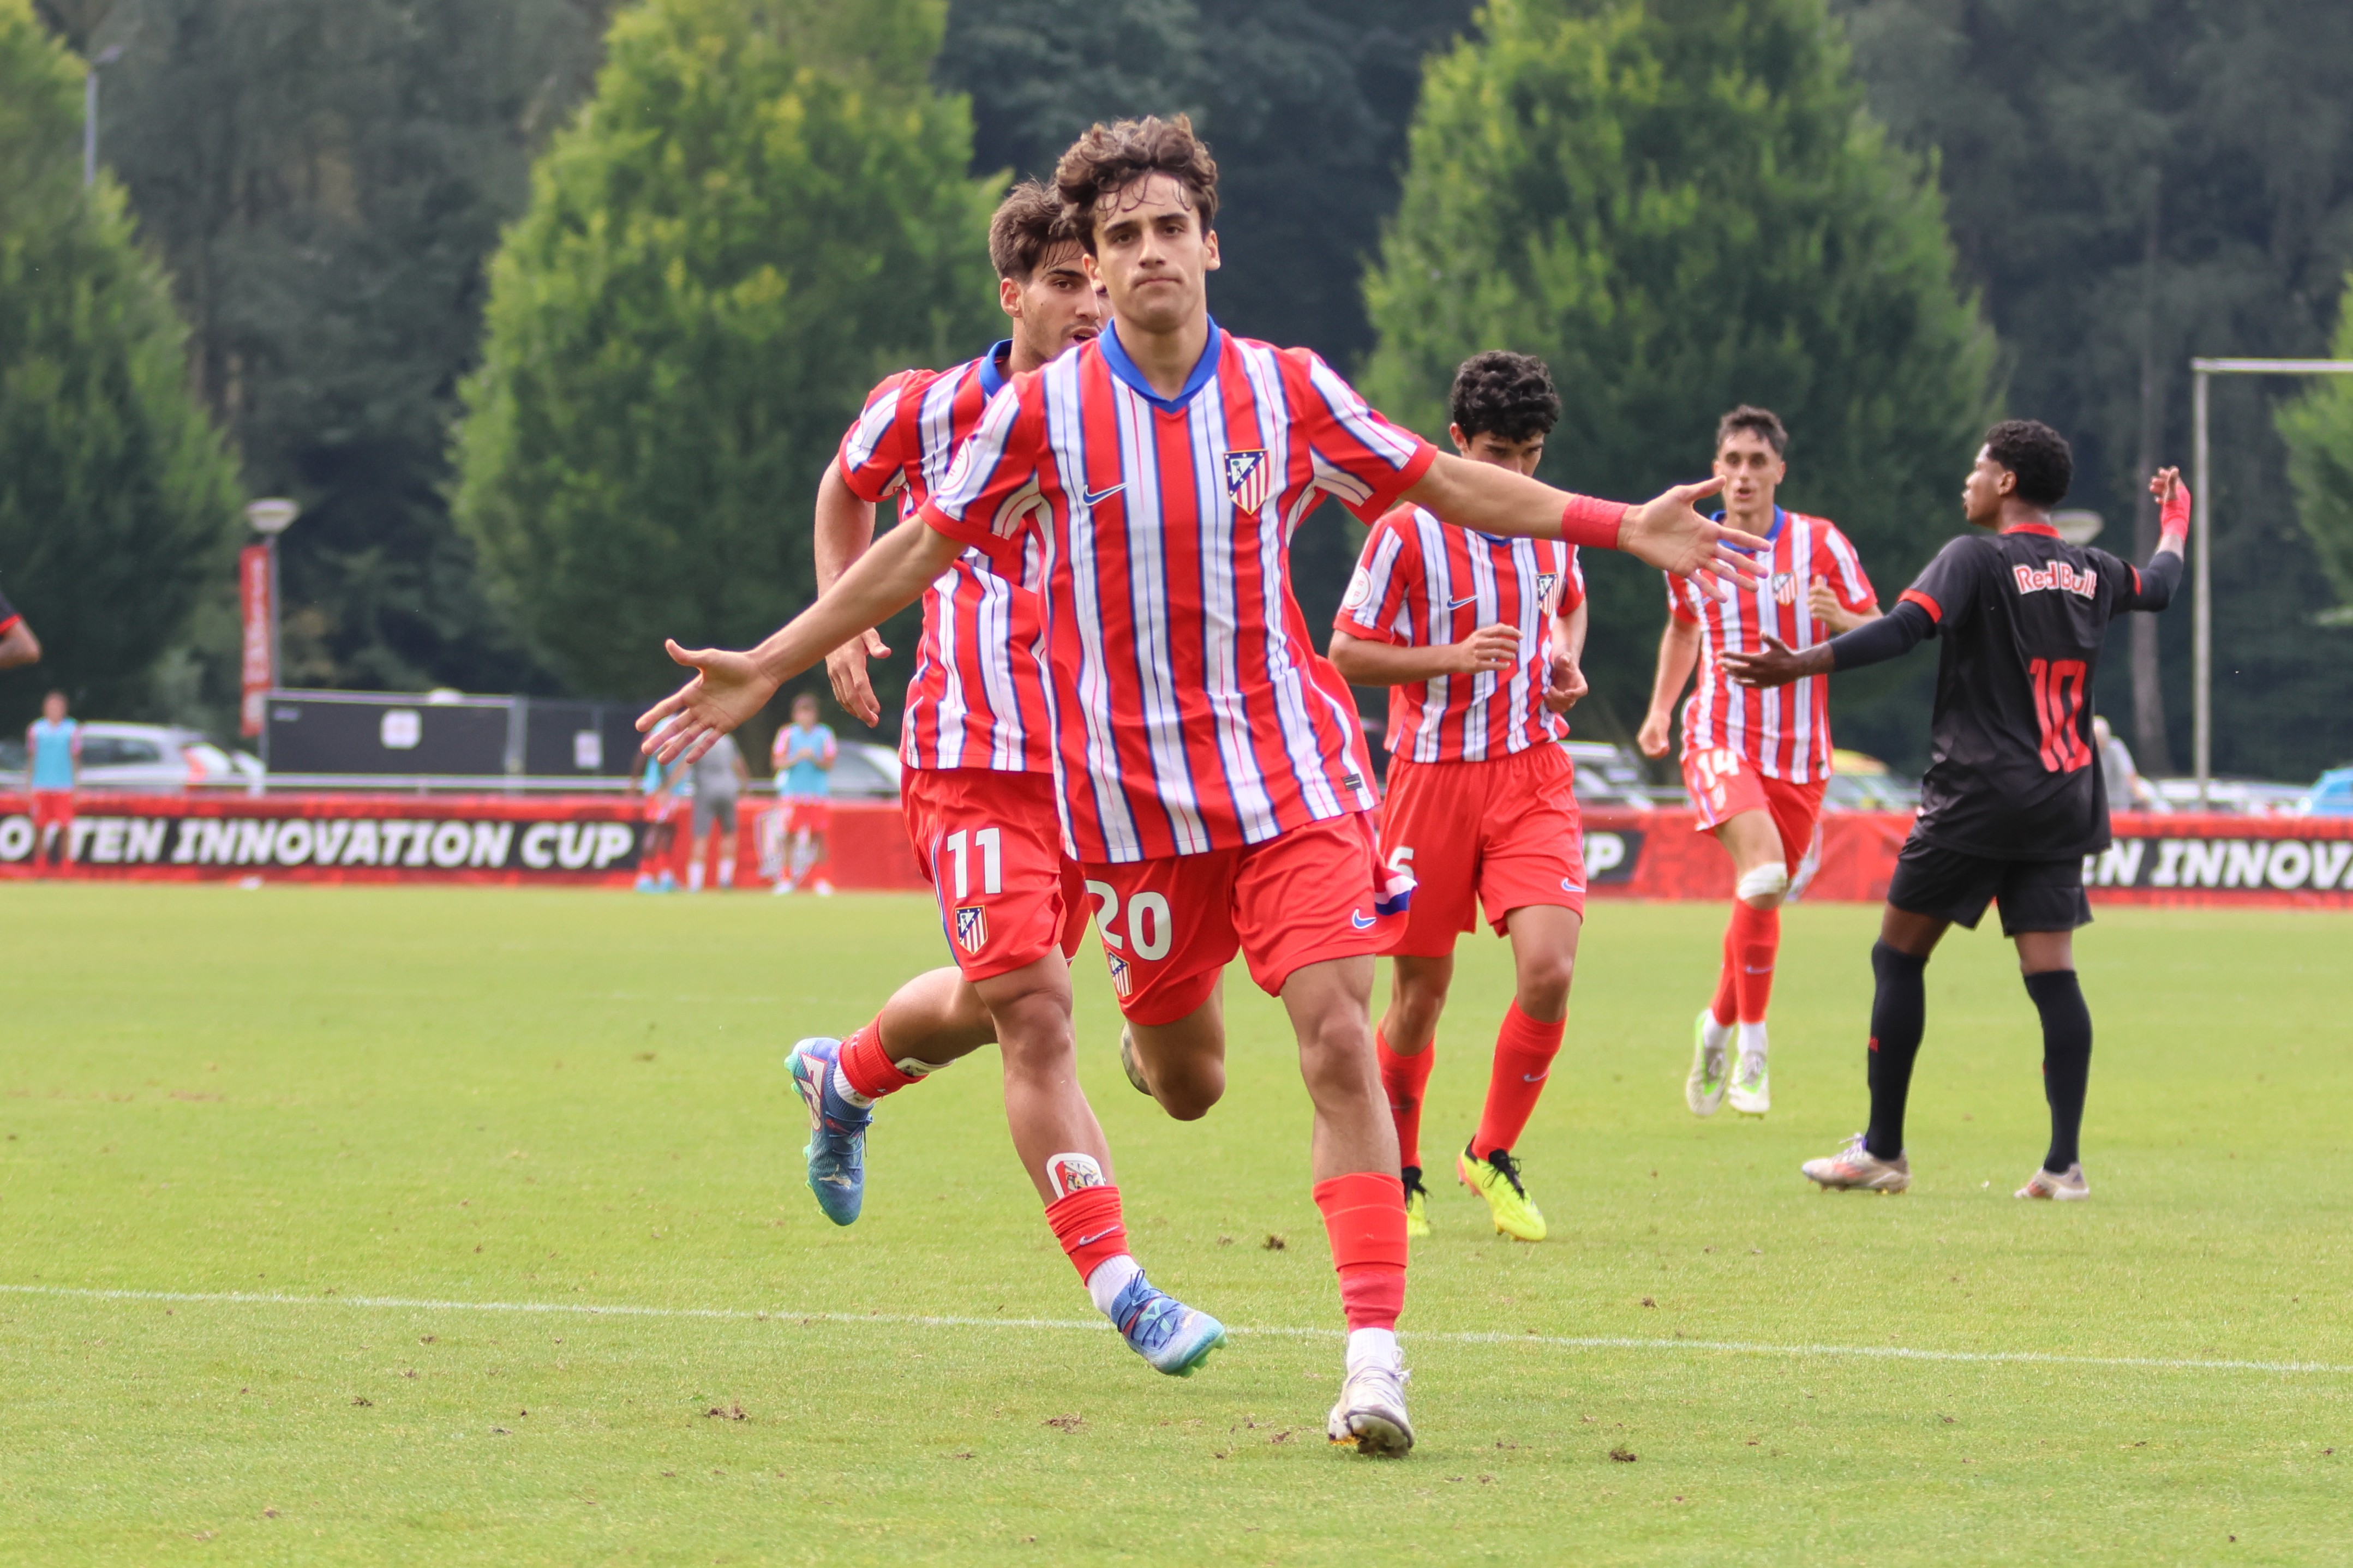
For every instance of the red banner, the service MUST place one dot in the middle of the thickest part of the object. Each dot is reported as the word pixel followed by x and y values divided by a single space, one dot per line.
pixel 253 588
pixel 603 841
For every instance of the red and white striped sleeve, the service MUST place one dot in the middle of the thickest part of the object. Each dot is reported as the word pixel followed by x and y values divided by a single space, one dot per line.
pixel 1378 605
pixel 1572 585
pixel 1360 458
pixel 1835 560
pixel 993 493
pixel 887 439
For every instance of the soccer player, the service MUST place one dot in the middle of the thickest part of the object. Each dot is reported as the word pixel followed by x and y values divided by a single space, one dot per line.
pixel 2013 799
pixel 1754 762
pixel 52 774
pixel 658 785
pixel 803 756
pixel 716 779
pixel 977 788
pixel 1213 780
pixel 19 645
pixel 1478 640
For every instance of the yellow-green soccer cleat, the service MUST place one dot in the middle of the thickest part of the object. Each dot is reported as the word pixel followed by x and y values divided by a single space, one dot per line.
pixel 1711 1066
pixel 1496 1179
pixel 1417 1203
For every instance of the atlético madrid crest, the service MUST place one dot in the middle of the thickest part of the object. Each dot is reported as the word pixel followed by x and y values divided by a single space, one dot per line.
pixel 1247 480
pixel 972 927
pixel 1119 976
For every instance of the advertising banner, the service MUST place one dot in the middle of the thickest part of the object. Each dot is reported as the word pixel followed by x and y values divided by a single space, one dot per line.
pixel 253 588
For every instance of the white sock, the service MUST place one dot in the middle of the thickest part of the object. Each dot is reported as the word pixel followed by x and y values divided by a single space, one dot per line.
pixel 1752 1040
pixel 1715 1035
pixel 1373 1346
pixel 694 876
pixel 727 873
pixel 1110 1278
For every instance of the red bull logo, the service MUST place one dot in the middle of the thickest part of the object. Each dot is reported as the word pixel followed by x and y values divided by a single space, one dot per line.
pixel 2061 575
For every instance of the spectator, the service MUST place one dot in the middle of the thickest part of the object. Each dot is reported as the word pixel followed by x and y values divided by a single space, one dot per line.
pixel 2127 791
pixel 716 779
pixel 803 759
pixel 52 771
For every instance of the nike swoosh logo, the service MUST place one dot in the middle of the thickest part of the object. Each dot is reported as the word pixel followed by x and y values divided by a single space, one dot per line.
pixel 1096 498
pixel 1457 604
pixel 1536 1077
pixel 1091 1240
pixel 1361 921
pixel 1767 970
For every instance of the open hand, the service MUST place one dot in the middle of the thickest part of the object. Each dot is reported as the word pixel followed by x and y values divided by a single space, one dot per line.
pixel 1496 647
pixel 727 689
pixel 1669 533
pixel 846 667
pixel 1775 664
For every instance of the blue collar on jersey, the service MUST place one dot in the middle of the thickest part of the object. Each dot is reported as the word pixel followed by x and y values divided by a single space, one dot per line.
pixel 991 378
pixel 1124 368
pixel 1771 534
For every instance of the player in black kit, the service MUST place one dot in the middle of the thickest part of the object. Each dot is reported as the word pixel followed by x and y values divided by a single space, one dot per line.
pixel 2013 799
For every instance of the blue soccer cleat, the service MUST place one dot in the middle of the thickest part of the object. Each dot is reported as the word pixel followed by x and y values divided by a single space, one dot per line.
pixel 1164 1331
pixel 837 1145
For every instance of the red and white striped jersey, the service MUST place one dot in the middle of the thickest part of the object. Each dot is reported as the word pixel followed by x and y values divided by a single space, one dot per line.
pixel 977 697
pixel 1191 710
pixel 1784 731
pixel 1424 584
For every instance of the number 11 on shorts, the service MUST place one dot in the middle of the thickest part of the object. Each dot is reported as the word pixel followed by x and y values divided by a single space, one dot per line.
pixel 992 863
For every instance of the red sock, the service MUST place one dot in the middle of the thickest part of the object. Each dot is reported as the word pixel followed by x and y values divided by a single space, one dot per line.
pixel 1756 941
pixel 1524 1052
pixel 1404 1079
pixel 1088 1225
pixel 1725 1008
pixel 1364 1215
pixel 868 1069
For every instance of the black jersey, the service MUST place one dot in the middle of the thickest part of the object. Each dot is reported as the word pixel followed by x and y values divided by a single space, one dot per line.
pixel 8 615
pixel 2022 614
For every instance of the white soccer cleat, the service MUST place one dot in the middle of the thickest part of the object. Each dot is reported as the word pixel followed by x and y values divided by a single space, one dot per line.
pixel 1371 1412
pixel 1855 1169
pixel 1703 1090
pixel 2066 1186
pixel 1751 1089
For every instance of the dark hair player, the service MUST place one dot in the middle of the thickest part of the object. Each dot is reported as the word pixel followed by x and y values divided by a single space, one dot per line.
pixel 2013 799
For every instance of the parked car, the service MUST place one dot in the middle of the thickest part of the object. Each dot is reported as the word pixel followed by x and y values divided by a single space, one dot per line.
pixel 864 770
pixel 1609 776
pixel 2240 797
pixel 1860 783
pixel 2331 795
pixel 152 759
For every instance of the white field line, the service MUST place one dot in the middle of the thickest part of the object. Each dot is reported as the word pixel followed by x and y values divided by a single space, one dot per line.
pixel 1555 1342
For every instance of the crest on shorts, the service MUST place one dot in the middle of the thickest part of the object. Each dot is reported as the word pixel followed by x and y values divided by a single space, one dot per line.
pixel 1119 976
pixel 1248 479
pixel 971 927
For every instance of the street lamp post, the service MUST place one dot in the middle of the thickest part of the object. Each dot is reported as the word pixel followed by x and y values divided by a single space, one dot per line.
pixel 105 56
pixel 269 518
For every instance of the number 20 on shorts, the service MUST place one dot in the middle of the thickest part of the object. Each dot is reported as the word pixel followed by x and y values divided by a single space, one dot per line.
pixel 1148 923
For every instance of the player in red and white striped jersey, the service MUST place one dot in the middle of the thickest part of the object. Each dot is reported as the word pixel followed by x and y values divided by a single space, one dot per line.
pixel 979 796
pixel 1478 640
pixel 1754 761
pixel 1213 778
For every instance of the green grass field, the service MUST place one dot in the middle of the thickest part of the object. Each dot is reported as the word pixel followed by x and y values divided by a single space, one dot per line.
pixel 417 1135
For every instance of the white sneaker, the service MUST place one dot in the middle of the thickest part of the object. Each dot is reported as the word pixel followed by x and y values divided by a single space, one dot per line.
pixel 1857 1169
pixel 1703 1090
pixel 824 889
pixel 1371 1412
pixel 785 888
pixel 2066 1186
pixel 1751 1089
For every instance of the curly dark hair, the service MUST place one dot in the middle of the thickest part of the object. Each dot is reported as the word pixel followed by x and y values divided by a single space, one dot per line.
pixel 2038 455
pixel 1110 158
pixel 1030 221
pixel 1763 421
pixel 1504 394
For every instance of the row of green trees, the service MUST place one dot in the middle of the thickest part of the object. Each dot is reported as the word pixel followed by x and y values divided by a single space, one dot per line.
pixel 713 240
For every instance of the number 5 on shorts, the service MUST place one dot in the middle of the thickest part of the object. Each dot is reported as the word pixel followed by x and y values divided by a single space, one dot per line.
pixel 1148 925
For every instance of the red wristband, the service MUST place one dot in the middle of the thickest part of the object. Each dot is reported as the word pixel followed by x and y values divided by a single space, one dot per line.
pixel 1591 521
pixel 2174 517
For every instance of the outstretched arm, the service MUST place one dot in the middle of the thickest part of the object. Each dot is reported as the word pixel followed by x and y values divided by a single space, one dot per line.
pixel 729 688
pixel 1663 530
pixel 845 527
pixel 1891 636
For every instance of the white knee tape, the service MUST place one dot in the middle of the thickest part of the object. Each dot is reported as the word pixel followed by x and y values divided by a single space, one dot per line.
pixel 1765 882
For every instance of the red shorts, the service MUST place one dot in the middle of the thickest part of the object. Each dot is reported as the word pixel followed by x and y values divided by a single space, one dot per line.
pixel 813 816
pixel 991 846
pixel 1723 784
pixel 52 808
pixel 1495 835
pixel 1170 927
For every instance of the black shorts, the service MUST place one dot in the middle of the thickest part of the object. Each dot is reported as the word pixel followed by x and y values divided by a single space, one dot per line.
pixel 1956 886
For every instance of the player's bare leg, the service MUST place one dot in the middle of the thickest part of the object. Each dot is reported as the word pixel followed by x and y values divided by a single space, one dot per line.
pixel 1403 1046
pixel 1544 958
pixel 1182 1064
pixel 1744 985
